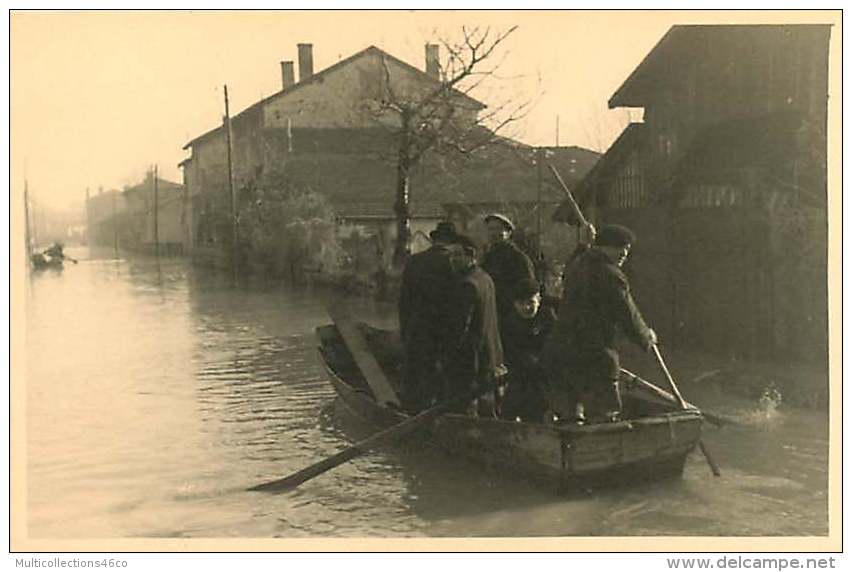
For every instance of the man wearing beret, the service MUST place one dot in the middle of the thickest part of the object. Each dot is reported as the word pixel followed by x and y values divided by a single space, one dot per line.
pixel 426 280
pixel 504 261
pixel 580 354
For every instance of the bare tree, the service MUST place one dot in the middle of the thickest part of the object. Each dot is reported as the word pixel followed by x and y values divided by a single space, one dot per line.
pixel 443 118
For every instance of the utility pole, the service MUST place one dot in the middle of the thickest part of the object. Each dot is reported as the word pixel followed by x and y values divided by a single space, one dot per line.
pixel 28 238
pixel 156 215
pixel 231 187
pixel 34 218
pixel 539 161
pixel 88 220
pixel 114 227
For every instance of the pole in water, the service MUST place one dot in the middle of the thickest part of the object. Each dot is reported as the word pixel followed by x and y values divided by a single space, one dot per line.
pixel 539 164
pixel 683 405
pixel 231 187
pixel 156 215
pixel 28 238
pixel 114 227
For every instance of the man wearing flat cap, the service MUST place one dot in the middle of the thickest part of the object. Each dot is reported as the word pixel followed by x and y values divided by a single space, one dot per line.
pixel 504 261
pixel 426 280
pixel 580 354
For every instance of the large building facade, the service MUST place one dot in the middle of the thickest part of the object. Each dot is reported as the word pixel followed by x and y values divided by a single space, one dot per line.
pixel 335 132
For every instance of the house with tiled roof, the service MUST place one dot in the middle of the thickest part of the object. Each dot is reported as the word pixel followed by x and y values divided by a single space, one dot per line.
pixel 322 131
pixel 327 133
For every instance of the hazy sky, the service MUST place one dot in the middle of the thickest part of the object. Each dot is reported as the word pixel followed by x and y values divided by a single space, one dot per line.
pixel 96 97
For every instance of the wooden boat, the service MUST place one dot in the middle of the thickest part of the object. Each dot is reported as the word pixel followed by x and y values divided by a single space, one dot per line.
pixel 651 444
pixel 42 262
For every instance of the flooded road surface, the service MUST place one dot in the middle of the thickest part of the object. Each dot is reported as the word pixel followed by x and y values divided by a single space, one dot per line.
pixel 156 393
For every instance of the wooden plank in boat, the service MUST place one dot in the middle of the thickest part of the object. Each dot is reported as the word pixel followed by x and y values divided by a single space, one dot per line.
pixel 357 345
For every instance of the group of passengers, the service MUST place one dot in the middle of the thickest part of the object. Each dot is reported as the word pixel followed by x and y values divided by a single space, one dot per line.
pixel 475 330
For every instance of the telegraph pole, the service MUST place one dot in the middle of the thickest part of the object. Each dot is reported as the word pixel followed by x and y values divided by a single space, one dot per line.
pixel 156 215
pixel 114 227
pixel 231 187
pixel 88 221
pixel 539 161
pixel 28 238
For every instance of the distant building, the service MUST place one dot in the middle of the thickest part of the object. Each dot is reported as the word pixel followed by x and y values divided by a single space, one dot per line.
pixel 141 222
pixel 325 134
pixel 725 183
pixel 125 219
pixel 102 217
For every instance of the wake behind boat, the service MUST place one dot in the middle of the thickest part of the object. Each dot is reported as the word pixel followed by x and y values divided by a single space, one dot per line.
pixel 651 443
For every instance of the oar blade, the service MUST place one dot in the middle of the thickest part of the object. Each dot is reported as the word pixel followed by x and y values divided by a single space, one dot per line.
pixel 409 425
pixel 294 480
pixel 710 461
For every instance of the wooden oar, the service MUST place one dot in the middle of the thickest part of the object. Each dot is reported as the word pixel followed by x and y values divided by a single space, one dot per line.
pixel 381 438
pixel 683 405
pixel 717 420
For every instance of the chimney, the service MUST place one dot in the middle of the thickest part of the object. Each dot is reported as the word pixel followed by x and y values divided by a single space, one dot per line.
pixel 433 65
pixel 288 76
pixel 306 61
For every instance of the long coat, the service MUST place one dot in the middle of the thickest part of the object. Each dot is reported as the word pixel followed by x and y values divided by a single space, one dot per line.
pixel 523 341
pixel 596 304
pixel 474 350
pixel 507 265
pixel 427 280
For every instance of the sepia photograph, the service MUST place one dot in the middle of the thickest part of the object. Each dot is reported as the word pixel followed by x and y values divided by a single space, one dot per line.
pixel 416 280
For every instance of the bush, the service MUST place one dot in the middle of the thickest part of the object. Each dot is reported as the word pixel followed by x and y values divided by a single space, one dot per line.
pixel 287 230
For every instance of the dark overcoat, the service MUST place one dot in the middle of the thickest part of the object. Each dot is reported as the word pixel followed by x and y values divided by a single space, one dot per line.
pixel 523 342
pixel 427 281
pixel 596 304
pixel 473 347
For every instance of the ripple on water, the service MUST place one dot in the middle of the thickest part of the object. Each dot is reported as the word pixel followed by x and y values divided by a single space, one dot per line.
pixel 178 392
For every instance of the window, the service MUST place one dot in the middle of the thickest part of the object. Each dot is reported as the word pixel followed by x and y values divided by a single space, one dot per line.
pixel 628 189
pixel 712 195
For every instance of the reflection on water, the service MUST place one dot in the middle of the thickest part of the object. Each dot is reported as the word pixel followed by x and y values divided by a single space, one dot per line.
pixel 156 393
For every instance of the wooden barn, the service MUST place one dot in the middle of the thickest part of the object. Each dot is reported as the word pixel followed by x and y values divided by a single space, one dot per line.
pixel 724 182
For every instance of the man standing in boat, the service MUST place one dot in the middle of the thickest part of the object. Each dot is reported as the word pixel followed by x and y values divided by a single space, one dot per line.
pixel 426 279
pixel 580 354
pixel 504 261
pixel 56 251
pixel 523 333
pixel 473 357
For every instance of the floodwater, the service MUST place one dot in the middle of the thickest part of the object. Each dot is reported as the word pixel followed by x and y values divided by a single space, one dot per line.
pixel 157 392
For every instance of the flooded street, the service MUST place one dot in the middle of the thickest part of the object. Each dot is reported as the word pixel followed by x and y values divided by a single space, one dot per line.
pixel 157 392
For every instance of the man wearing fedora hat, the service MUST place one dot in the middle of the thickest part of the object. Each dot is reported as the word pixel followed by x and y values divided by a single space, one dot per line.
pixel 426 280
pixel 504 261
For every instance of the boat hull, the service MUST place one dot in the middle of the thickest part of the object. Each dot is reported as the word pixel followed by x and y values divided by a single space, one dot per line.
pixel 566 456
pixel 39 262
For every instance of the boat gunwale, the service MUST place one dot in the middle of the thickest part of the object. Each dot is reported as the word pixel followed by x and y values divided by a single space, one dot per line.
pixel 570 430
